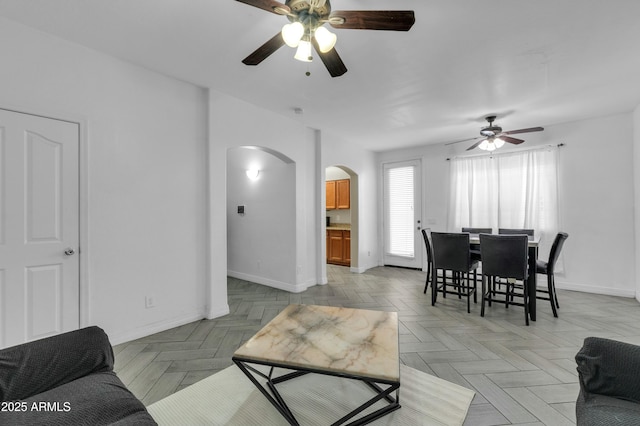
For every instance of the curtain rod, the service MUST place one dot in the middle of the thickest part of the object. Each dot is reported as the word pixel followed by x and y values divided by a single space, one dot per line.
pixel 491 154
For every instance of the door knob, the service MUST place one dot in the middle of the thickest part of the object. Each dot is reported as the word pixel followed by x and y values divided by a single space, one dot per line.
pixel 69 251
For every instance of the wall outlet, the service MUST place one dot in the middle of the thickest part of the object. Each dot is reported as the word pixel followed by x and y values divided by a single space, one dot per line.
pixel 149 302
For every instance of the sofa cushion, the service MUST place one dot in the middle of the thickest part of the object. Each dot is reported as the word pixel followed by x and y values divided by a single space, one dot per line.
pixel 96 399
pixel 604 366
pixel 600 410
pixel 38 366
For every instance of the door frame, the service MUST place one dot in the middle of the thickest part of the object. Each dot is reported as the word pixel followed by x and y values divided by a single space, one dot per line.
pixel 418 261
pixel 83 196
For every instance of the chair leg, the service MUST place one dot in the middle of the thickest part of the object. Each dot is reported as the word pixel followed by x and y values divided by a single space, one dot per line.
pixel 525 288
pixel 555 295
pixel 468 294
pixel 426 284
pixel 475 286
pixel 482 297
pixel 444 284
pixel 434 287
pixel 491 289
pixel 552 294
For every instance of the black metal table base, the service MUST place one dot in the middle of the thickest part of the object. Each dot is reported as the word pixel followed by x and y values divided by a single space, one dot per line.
pixel 274 397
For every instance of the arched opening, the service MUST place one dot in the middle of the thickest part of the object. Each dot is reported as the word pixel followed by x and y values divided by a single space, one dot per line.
pixel 342 217
pixel 261 216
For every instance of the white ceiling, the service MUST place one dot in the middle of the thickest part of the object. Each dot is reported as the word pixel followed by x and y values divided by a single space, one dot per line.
pixel 531 62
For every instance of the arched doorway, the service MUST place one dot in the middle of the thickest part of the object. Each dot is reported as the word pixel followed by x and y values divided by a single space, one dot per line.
pixel 261 217
pixel 342 217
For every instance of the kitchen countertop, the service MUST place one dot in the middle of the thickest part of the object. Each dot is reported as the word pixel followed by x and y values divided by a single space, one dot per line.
pixel 339 227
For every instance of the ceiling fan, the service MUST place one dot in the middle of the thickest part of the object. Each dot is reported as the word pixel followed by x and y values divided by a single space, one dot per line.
pixel 306 29
pixel 492 136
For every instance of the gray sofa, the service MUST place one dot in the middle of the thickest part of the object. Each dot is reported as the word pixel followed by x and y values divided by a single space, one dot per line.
pixel 609 373
pixel 66 379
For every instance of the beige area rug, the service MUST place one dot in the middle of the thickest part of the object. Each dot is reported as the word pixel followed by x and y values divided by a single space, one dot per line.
pixel 229 398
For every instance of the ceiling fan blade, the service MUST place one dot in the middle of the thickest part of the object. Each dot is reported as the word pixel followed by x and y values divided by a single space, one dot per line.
pixel 269 5
pixel 264 51
pixel 511 140
pixel 531 129
pixel 475 145
pixel 392 20
pixel 331 60
pixel 462 140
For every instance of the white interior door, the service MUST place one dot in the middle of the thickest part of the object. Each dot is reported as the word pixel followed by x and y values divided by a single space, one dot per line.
pixel 39 227
pixel 402 214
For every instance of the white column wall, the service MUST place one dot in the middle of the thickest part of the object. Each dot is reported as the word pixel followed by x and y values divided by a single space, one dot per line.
pixel 235 123
pixel 636 181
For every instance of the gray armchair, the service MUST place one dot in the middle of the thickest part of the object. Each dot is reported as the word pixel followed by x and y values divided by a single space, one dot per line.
pixel 609 374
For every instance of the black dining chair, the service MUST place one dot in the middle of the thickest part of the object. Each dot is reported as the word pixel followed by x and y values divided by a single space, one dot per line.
pixel 504 256
pixel 451 253
pixel 478 230
pixel 547 268
pixel 426 235
pixel 475 248
pixel 513 231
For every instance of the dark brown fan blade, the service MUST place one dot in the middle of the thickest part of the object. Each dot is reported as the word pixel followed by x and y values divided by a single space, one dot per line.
pixel 264 51
pixel 392 20
pixel 475 145
pixel 462 140
pixel 510 139
pixel 531 129
pixel 331 60
pixel 268 5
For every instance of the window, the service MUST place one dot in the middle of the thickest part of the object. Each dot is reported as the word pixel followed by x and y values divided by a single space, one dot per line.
pixel 511 190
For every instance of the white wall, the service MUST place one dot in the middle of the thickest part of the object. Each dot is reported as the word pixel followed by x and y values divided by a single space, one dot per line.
pixel 144 165
pixel 229 129
pixel 261 243
pixel 596 199
pixel 636 181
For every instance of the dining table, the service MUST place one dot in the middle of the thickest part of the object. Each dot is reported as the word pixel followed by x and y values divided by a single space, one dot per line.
pixel 534 242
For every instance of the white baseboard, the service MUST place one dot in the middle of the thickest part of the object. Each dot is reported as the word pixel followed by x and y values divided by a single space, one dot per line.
pixel 137 333
pixel 591 289
pixel 218 311
pixel 292 288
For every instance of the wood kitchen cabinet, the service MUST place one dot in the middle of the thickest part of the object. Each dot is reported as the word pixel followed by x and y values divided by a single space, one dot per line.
pixel 339 247
pixel 331 194
pixel 338 194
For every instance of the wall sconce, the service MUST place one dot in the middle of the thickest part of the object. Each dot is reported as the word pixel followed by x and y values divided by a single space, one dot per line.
pixel 253 174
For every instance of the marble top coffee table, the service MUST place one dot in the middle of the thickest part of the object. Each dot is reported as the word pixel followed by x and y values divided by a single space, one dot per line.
pixel 353 343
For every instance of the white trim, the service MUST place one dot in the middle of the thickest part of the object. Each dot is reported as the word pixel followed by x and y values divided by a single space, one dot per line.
pixel 585 288
pixel 218 311
pixel 281 285
pixel 153 328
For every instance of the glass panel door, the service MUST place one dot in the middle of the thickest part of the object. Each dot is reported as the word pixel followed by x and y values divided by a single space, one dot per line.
pixel 402 214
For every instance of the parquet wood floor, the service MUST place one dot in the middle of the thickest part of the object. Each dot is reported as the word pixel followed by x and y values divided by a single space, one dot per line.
pixel 522 375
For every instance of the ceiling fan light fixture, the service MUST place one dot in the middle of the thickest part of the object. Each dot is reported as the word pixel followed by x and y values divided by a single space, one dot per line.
pixel 498 142
pixel 304 51
pixel 292 34
pixel 484 145
pixel 326 39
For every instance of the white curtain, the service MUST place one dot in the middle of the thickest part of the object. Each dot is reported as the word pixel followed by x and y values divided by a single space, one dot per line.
pixel 511 190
